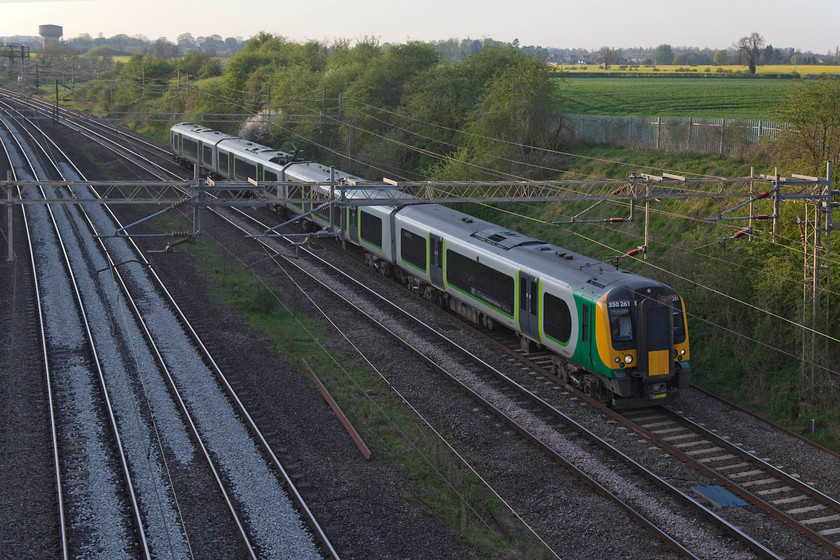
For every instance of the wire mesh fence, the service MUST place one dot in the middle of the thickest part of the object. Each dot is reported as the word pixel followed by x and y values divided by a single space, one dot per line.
pixel 672 134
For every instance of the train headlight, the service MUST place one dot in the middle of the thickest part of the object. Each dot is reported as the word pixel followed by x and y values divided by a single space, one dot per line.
pixel 628 359
pixel 617 359
pixel 682 352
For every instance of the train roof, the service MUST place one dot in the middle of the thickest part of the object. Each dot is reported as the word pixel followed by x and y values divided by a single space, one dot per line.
pixel 309 171
pixel 273 159
pixel 545 259
pixel 201 132
pixel 255 151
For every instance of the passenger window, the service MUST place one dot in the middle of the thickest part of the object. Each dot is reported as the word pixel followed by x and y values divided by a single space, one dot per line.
pixel 557 318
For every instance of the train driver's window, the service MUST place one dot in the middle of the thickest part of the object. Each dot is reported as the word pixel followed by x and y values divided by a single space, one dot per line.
pixel 621 324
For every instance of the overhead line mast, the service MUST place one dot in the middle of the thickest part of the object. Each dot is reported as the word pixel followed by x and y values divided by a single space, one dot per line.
pixel 817 195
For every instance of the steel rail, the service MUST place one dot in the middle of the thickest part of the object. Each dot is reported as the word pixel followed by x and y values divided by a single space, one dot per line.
pixel 740 488
pixel 677 546
pixel 784 430
pixel 164 368
pixel 310 518
pixel 51 402
pixel 96 361
pixel 622 418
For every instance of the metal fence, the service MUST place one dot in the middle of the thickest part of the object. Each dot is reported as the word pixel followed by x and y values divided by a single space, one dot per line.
pixel 672 134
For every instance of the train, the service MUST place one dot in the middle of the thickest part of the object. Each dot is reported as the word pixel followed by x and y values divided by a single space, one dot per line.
pixel 620 337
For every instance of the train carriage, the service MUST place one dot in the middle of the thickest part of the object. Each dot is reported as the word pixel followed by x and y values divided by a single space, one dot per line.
pixel 194 144
pixel 619 336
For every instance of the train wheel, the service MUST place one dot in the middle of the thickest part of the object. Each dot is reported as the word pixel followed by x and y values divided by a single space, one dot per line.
pixel 561 369
pixel 588 386
pixel 593 387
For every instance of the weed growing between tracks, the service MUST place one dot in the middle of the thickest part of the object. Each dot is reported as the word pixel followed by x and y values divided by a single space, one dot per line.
pixel 436 477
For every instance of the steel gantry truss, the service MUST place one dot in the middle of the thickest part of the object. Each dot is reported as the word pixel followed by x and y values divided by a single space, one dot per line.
pixel 642 188
pixel 815 192
pixel 13 52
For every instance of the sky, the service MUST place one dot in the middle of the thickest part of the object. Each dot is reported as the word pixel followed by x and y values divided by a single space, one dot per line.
pixel 807 25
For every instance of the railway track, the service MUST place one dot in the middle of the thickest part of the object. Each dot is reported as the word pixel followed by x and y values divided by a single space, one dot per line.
pixel 756 548
pixel 201 405
pixel 638 491
pixel 781 494
pixel 545 360
pixel 73 369
pixel 784 496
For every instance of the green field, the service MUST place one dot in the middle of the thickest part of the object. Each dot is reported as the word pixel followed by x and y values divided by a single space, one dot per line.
pixel 730 98
pixel 764 69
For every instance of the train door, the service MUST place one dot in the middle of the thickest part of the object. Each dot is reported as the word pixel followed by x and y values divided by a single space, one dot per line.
pixel 655 337
pixel 529 305
pixel 305 195
pixel 436 260
pixel 587 333
pixel 353 223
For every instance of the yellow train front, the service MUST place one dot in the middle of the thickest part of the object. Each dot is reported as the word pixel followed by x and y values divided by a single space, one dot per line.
pixel 641 342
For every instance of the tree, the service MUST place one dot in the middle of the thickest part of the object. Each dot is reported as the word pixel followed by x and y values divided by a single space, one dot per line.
pixel 58 58
pixel 607 56
pixel 512 125
pixel 721 57
pixel 664 55
pixel 692 58
pixel 383 80
pixel 198 63
pixel 101 58
pixel 450 50
pixel 162 48
pixel 813 111
pixel 470 47
pixel 233 44
pixel 186 41
pixel 83 41
pixel 751 49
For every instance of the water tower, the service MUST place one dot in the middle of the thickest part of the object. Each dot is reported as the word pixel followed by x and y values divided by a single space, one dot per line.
pixel 51 34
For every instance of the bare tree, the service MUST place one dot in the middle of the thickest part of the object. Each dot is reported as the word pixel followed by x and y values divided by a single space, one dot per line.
pixel 751 47
pixel 607 56
pixel 162 48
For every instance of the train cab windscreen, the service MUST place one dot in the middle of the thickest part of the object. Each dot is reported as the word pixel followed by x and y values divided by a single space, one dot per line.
pixel 621 324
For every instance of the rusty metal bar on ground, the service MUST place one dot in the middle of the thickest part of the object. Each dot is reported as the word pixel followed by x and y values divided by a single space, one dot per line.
pixel 338 412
